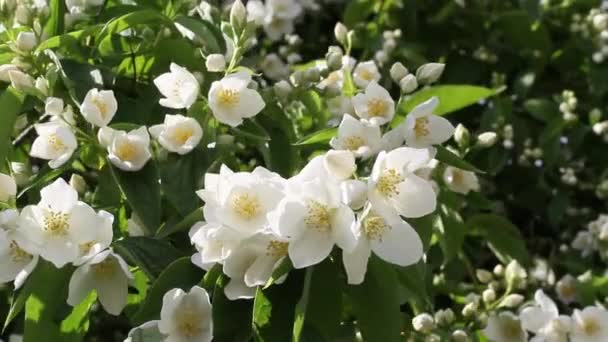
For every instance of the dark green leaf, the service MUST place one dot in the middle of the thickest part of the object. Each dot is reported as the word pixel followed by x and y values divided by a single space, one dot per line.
pixel 55 24
pixel 206 32
pixel 503 237
pixel 320 137
pixel 448 157
pixel 231 318
pixel 11 102
pixel 151 255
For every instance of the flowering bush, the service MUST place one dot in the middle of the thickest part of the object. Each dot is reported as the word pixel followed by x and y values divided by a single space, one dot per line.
pixel 304 170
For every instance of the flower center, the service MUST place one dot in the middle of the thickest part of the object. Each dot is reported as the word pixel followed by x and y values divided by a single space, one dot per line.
pixel 318 217
pixel 102 107
pixel 353 142
pixel 374 227
pixel 55 142
pixel 591 326
pixel 246 206
pixel 182 134
pixel 457 177
pixel 228 97
pixel 126 151
pixel 56 223
pixel 366 75
pixel 387 183
pixel 376 107
pixel 421 128
pixel 189 323
pixel 276 248
pixel 511 329
pixel 106 268
pixel 85 248
pixel 17 254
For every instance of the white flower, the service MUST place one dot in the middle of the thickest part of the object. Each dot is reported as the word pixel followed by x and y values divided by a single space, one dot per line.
pixel 276 27
pixel 8 187
pixel 313 218
pixel 241 200
pixel 127 151
pixel 334 166
pixel 4 71
pixel 394 184
pixel 186 317
pixel 340 105
pixel 333 82
pixel 231 101
pixel 55 142
pixel 388 236
pixel 179 87
pixel 251 264
pixel 178 133
pixel 423 129
pixel 256 11
pixel 15 263
pixel 365 73
pixel 53 106
pixel 284 9
pixel 273 67
pixel 544 321
pixel 97 239
pixel 215 62
pixel 423 322
pixel 566 289
pixel 357 136
pixel 589 325
pixel 375 106
pixel 20 80
pixel 585 242
pixel 459 180
pixel 505 327
pixel 106 273
pixel 213 242
pixel 59 226
pixel 99 107
pixel 26 41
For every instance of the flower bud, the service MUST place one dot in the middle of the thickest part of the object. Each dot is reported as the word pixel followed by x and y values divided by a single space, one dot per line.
pixel 462 136
pixel 78 183
pixel 20 81
pixel 334 60
pixel 21 173
pixel 482 275
pixel 488 296
pixel 512 301
pixel 42 85
pixel 423 323
pixel 53 106
pixel 444 317
pixel 429 73
pixel 487 139
pixel 470 309
pixel 398 72
pixel 312 75
pixel 26 41
pixel 215 62
pixel 514 273
pixel 225 139
pixel 238 16
pixel 282 89
pixel 408 84
pixel 298 78
pixel 459 336
pixel 341 33
pixel 499 270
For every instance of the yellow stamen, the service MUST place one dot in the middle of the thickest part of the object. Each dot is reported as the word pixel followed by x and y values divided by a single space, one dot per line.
pixel 55 142
pixel 353 142
pixel 421 128
pixel 228 97
pixel 17 254
pixel 374 227
pixel 246 205
pixel 126 151
pixel 56 223
pixel 591 326
pixel 318 217
pixel 189 322
pixel 106 268
pixel 376 107
pixel 277 248
pixel 387 183
pixel 102 107
pixel 182 134
pixel 366 75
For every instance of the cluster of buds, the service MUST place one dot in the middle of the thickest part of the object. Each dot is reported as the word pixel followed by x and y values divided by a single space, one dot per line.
pixel 389 44
pixel 568 105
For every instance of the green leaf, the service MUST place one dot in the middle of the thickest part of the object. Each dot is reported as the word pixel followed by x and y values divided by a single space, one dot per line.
pixel 448 157
pixel 542 109
pixel 284 267
pixel 46 302
pixel 451 99
pixel 319 137
pixel 185 224
pixel 281 156
pixel 76 325
pixel 300 313
pixel 503 237
pixel 376 303
pixel 413 281
pixel 274 308
pixel 251 130
pixel 357 11
pixel 142 191
pixel 231 318
pixel 451 232
pixel 179 274
pixel 55 24
pixel 151 255
pixel 324 310
pixel 180 176
pixel 11 102
pixel 523 33
pixel 206 31
pixel 145 16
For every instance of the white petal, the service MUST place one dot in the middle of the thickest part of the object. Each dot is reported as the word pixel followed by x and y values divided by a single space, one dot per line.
pixel 237 289
pixel 400 244
pixel 343 221
pixel 81 284
pixel 440 129
pixel 310 248
pixel 355 262
pixel 260 271
pixel 416 197
pixel 58 196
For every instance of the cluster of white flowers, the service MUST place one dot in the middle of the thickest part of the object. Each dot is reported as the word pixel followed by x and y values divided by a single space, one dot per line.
pixel 63 230
pixel 568 105
pixel 256 219
pixel 593 238
pixel 277 17
pixel 543 320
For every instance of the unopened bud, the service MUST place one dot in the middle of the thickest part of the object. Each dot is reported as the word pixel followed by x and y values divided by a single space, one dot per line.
pixel 470 309
pixel 487 139
pixel 462 136
pixel 215 62
pixel 499 270
pixel 514 273
pixel 238 16
pixel 53 106
pixel 459 336
pixel 78 183
pixel 429 73
pixel 444 317
pixel 26 41
pixel 512 301
pixel 423 323
pixel 341 32
pixel 483 276
pixel 398 72
pixel 488 296
pixel 408 84
pixel 334 60
pixel 312 75
pixel 282 89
